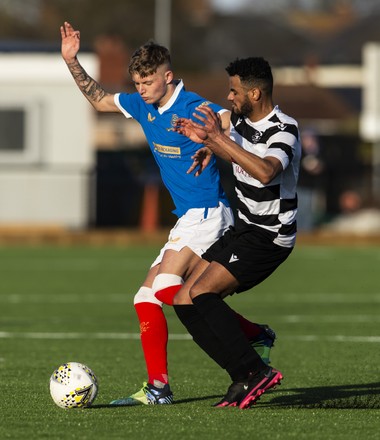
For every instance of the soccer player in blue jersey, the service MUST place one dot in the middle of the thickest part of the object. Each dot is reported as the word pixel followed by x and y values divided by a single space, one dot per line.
pixel 200 204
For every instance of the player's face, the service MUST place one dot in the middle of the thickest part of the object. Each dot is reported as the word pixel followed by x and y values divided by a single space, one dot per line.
pixel 240 103
pixel 153 89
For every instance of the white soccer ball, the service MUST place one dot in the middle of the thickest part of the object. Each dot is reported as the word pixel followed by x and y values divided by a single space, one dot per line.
pixel 73 385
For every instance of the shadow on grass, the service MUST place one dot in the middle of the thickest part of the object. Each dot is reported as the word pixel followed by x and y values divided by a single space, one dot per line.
pixel 360 396
pixel 176 402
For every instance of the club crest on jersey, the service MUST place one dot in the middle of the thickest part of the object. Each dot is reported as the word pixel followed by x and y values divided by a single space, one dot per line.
pixel 173 122
pixel 151 118
pixel 256 137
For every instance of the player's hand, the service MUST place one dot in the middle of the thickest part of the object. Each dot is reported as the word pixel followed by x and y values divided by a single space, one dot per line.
pixel 201 159
pixel 211 123
pixel 191 129
pixel 70 42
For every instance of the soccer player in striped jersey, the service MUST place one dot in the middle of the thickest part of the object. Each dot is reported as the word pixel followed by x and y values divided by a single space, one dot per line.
pixel 200 204
pixel 264 148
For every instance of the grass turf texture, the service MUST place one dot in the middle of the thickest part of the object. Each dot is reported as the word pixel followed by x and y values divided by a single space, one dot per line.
pixel 75 304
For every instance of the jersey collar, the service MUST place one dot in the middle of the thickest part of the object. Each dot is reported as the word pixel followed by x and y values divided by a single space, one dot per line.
pixel 264 120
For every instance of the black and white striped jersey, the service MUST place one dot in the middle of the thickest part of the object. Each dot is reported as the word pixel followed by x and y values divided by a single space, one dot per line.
pixel 272 206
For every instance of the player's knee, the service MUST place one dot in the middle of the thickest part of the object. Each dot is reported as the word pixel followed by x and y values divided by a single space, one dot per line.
pixel 176 300
pixel 182 298
pixel 197 289
pixel 193 292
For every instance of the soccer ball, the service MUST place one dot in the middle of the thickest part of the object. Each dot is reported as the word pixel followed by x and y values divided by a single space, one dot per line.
pixel 73 385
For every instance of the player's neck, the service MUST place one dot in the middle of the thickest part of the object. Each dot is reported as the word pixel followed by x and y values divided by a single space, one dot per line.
pixel 169 93
pixel 261 112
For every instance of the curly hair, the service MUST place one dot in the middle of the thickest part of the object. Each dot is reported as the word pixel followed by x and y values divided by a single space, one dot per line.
pixel 253 72
pixel 148 58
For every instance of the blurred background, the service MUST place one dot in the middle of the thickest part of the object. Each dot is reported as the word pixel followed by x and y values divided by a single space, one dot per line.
pixel 63 167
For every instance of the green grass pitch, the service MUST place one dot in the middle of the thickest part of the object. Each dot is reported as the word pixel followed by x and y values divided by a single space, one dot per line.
pixel 62 304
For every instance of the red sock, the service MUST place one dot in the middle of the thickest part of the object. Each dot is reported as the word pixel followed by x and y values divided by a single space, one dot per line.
pixel 154 339
pixel 167 294
pixel 249 328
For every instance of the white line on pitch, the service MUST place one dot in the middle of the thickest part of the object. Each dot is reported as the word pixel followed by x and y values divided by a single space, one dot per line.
pixel 177 336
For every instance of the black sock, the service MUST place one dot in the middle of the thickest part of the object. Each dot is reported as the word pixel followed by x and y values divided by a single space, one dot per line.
pixel 234 346
pixel 201 333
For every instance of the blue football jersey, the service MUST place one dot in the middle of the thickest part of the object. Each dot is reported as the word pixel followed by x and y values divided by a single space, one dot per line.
pixel 173 151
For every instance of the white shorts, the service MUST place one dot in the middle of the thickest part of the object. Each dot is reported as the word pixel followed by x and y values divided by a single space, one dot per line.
pixel 198 229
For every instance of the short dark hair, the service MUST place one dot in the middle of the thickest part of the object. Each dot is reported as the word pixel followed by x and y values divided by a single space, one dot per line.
pixel 148 58
pixel 253 71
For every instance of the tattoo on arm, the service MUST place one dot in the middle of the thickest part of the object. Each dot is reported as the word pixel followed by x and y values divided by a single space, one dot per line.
pixel 88 86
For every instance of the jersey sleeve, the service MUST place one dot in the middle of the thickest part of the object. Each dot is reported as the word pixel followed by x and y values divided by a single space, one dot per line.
pixel 128 103
pixel 282 146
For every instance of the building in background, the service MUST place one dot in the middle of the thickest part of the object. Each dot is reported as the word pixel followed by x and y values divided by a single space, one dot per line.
pixel 46 142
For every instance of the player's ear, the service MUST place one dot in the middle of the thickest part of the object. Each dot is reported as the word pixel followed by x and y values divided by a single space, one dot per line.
pixel 254 94
pixel 169 76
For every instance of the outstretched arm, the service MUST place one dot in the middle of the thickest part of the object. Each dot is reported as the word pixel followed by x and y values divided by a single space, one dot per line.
pixel 96 95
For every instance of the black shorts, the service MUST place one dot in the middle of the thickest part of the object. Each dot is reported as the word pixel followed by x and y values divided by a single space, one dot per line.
pixel 248 254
